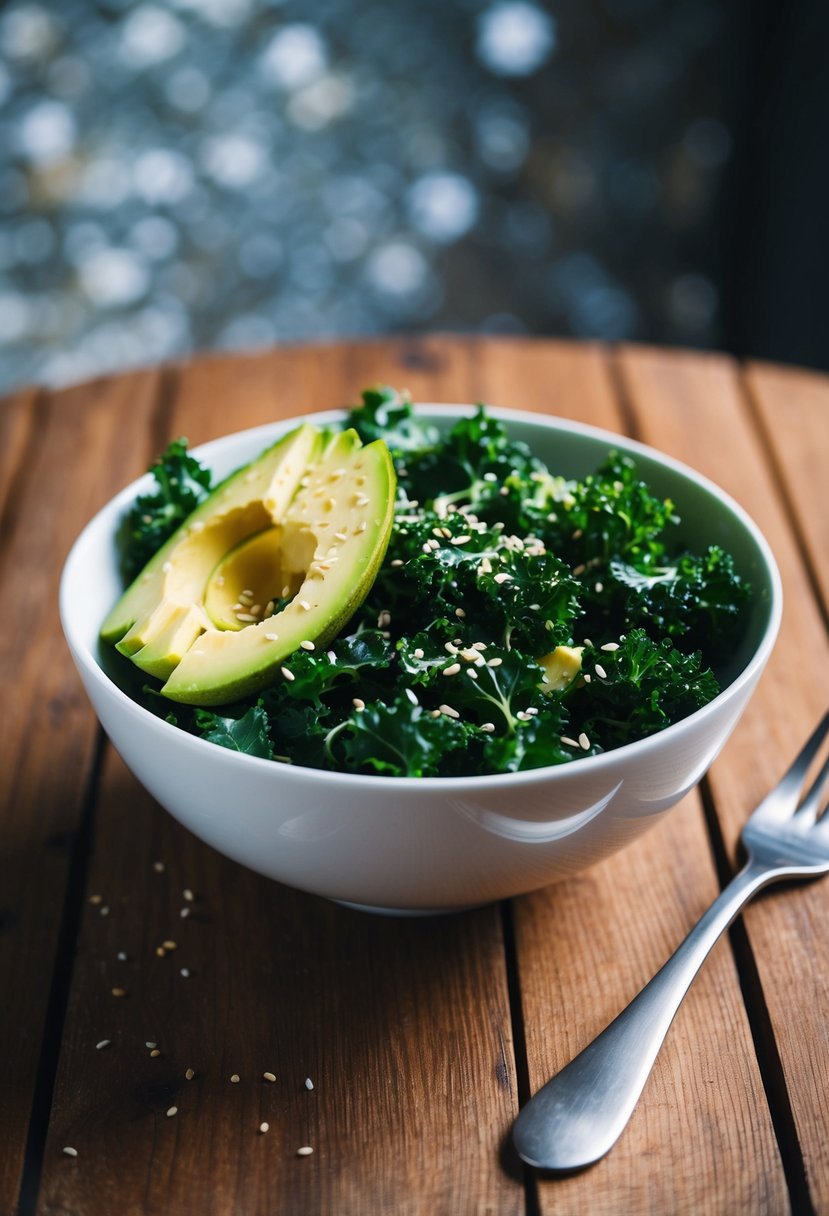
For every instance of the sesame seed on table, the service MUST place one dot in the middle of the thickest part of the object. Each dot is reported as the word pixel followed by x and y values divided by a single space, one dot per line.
pixel 386 1059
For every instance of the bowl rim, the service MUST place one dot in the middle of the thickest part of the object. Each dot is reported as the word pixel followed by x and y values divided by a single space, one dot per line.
pixel 593 765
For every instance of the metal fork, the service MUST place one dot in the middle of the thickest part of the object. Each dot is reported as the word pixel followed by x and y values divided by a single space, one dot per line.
pixel 578 1116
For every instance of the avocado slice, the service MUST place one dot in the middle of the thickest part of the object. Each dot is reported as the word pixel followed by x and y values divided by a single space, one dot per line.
pixel 281 553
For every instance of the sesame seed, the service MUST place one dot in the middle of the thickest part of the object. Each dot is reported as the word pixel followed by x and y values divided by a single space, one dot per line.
pixel 411 695
pixel 459 612
pixel 452 669
pixel 567 741
pixel 587 642
pixel 384 619
pixel 69 1151
pixel 418 652
pixel 610 646
pixel 171 1110
pixel 578 534
pixel 151 1045
pixel 449 711
pixel 360 500
pixel 286 591
pixel 269 1076
pixel 584 742
pixel 188 895
pixel 580 569
pixel 461 540
pixel 263 1127
pixel 361 527
pixel 531 711
pixel 479 645
pixel 332 658
pixel 494 662
pixel 487 727
pixel 305 605
pixel 472 673
pixel 490 477
pixel 121 956
pixel 396 563
pixel 523 716
pixel 161 952
pixel 309 1084
pixel 307 645
pixel 305 1151
pixel 119 992
pixel 247 617
pixel 103 1043
pixel 358 703
pixel 269 607
pixel 185 973
pixel 189 1074
pixel 155 1053
pixel 158 866
pixel 434 713
pixel 104 910
pixel 95 899
pixel 600 672
pixel 486 565
pixel 504 491
pixel 167 567
pixel 341 535
pixel 235 1079
pixel 184 913
pixel 587 677
pixel 247 594
pixel 599 588
pixel 288 674
pixel 503 577
pixel 271 637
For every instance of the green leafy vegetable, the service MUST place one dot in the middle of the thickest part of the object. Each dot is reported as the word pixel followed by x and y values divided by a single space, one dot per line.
pixel 494 563
pixel 181 484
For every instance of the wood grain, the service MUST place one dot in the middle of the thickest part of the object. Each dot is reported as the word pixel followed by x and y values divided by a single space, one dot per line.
pixel 793 407
pixel 681 402
pixel 75 460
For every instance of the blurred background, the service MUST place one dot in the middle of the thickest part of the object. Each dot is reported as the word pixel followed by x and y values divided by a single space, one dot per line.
pixel 179 175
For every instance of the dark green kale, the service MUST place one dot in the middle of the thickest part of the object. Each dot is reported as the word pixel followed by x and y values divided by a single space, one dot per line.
pixel 181 484
pixel 388 415
pixel 248 733
pixel 493 563
pixel 398 740
pixel 639 688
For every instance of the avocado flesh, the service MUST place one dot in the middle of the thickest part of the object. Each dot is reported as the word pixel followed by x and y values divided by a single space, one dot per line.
pixel 334 535
pixel 264 568
pixel 246 502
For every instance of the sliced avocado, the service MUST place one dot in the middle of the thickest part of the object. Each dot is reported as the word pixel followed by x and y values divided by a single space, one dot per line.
pixel 561 666
pixel 248 501
pixel 333 538
pixel 307 522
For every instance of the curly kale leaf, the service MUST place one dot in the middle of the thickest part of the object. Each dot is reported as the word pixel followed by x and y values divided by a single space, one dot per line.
pixel 361 656
pixel 610 514
pixel 397 740
pixel 699 598
pixel 248 734
pixel 639 689
pixel 470 467
pixel 388 415
pixel 181 484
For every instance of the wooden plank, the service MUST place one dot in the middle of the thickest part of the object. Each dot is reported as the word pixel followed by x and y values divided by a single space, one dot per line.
pixel 793 406
pixel 693 407
pixel 586 946
pixel 79 459
pixel 400 1024
pixel 700 1139
pixel 17 424
pixel 404 1026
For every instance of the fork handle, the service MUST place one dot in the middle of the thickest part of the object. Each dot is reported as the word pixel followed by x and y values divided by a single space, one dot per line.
pixel 578 1115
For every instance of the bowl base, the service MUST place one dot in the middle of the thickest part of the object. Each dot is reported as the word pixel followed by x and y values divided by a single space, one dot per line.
pixel 378 910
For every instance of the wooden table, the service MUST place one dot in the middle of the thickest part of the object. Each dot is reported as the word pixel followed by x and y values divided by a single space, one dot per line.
pixel 421 1038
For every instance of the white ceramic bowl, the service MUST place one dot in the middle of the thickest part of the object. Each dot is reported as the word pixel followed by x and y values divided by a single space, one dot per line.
pixel 432 844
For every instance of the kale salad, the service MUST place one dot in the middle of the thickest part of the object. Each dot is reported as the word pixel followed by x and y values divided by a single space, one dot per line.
pixel 518 620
